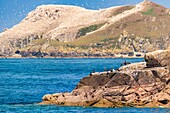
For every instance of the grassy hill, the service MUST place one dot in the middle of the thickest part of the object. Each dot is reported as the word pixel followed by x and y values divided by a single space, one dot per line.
pixel 127 29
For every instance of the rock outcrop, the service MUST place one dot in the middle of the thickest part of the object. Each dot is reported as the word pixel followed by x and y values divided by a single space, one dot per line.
pixel 145 84
pixel 158 59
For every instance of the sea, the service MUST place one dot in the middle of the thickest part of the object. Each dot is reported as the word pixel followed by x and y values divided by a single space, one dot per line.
pixel 23 82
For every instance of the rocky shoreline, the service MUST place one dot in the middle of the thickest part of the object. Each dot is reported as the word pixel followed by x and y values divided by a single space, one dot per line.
pixel 19 54
pixel 145 84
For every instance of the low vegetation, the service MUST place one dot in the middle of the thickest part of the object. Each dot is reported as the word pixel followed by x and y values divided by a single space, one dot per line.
pixel 84 31
pixel 149 12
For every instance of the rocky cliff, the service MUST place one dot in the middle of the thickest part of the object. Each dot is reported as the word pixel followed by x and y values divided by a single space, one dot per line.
pixel 59 29
pixel 145 84
pixel 57 22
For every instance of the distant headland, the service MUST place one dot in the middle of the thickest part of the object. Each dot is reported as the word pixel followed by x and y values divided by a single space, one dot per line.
pixel 72 31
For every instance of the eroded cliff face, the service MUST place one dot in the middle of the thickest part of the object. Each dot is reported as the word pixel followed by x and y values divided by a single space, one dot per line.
pixel 145 84
pixel 56 22
pixel 140 28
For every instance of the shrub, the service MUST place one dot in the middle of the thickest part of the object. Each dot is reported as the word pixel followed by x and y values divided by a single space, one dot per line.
pixel 149 12
pixel 85 30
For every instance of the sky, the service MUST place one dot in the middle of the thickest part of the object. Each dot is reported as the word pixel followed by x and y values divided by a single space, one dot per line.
pixel 13 11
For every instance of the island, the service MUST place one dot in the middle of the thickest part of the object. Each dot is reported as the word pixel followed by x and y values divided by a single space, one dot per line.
pixel 65 31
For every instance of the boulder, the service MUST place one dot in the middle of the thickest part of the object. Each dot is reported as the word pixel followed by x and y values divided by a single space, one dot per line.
pixel 160 58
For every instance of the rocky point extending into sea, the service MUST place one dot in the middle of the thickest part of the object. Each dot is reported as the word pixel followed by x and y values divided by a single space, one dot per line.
pixel 145 84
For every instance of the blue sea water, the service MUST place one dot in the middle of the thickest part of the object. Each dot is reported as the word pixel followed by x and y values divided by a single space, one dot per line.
pixel 23 82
